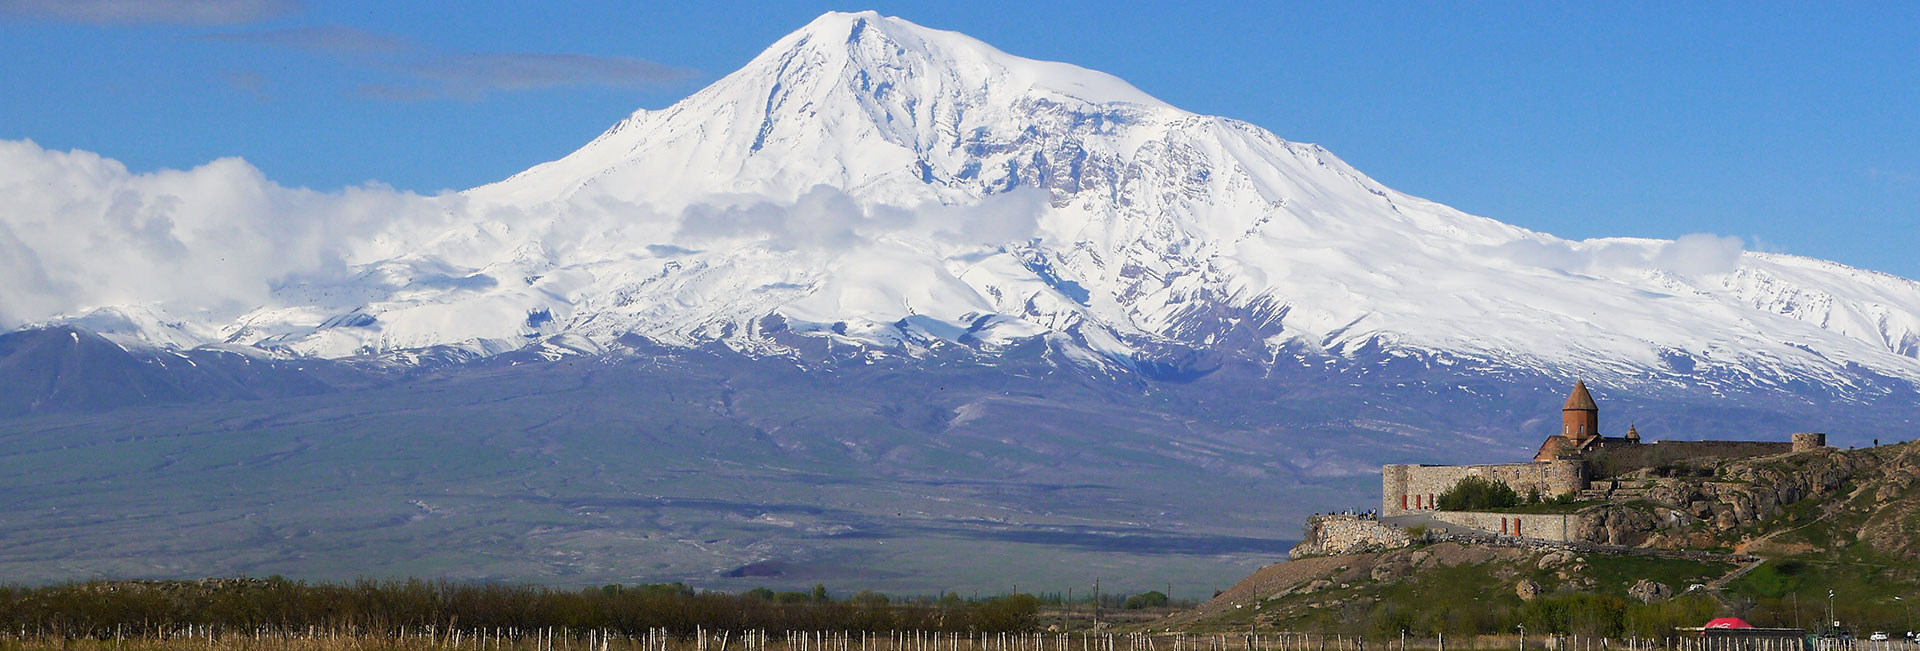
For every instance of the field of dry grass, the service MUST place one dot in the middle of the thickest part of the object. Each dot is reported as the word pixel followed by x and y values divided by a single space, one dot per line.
pixel 209 639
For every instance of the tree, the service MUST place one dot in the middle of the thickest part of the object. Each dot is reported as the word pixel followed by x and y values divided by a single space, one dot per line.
pixel 1016 612
pixel 1476 493
pixel 1149 599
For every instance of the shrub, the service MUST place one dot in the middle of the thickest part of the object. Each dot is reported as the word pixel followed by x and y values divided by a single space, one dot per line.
pixel 1149 599
pixel 1475 493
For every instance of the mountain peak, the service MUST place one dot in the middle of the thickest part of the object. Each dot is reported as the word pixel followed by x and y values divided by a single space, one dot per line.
pixel 873 42
pixel 850 25
pixel 1129 228
pixel 852 101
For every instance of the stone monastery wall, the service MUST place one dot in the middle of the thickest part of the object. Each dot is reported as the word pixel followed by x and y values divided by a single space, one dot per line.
pixel 1556 527
pixel 1405 488
pixel 1649 455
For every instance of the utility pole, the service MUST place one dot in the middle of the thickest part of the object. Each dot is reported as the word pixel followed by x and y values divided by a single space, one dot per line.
pixel 1096 602
pixel 1833 622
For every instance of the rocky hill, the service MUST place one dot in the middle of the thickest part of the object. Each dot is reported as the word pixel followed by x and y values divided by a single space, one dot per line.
pixel 1778 504
pixel 1672 544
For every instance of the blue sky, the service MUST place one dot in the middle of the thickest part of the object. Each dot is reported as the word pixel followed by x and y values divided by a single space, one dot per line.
pixel 1794 126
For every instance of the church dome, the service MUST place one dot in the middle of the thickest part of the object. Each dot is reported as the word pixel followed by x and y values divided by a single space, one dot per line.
pixel 1580 399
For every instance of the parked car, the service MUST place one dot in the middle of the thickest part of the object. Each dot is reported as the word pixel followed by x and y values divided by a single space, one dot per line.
pixel 1878 636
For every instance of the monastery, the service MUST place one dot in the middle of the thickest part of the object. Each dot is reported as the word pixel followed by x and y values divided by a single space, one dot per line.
pixel 1565 466
pixel 1565 461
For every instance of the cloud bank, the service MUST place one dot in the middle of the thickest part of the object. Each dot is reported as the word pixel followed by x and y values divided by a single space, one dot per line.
pixel 210 243
pixel 826 218
pixel 1698 254
pixel 81 231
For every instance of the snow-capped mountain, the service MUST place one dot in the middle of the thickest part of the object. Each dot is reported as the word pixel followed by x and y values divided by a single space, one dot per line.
pixel 884 303
pixel 874 182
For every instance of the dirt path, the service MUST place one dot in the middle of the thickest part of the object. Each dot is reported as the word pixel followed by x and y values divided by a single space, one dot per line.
pixel 1716 585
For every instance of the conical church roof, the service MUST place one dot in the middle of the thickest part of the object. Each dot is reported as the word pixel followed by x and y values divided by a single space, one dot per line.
pixel 1580 400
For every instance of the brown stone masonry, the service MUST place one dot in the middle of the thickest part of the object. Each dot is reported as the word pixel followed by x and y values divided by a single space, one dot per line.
pixel 1406 488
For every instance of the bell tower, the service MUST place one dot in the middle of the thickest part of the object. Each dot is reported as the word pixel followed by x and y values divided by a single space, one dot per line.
pixel 1580 418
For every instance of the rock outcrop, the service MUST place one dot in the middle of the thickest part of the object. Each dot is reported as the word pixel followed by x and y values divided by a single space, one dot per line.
pixel 1721 502
pixel 1650 591
pixel 1527 589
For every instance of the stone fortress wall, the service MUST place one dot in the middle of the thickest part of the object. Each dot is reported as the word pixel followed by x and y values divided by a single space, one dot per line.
pixel 1407 488
pixel 1552 527
pixel 1333 535
pixel 1808 441
pixel 1667 452
pixel 1329 535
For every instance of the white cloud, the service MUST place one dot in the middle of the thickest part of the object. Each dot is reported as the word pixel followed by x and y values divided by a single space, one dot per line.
pixel 1700 254
pixel 1007 217
pixel 81 231
pixel 828 218
pixel 1548 254
pixel 823 217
